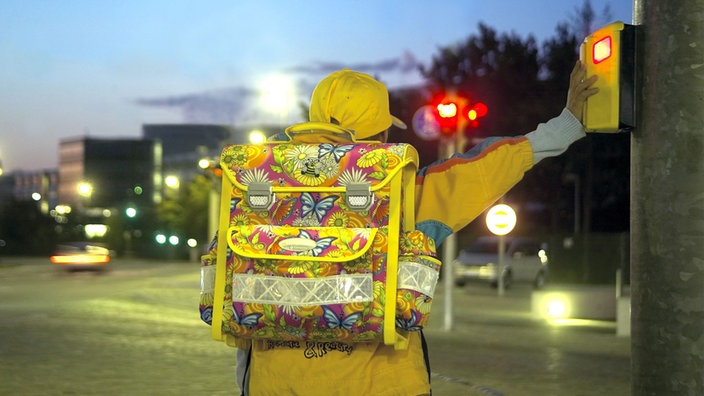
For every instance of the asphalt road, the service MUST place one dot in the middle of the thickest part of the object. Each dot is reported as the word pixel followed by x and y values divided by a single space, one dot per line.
pixel 135 331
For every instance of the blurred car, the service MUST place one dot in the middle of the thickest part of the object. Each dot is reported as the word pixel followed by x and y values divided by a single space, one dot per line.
pixel 81 255
pixel 525 261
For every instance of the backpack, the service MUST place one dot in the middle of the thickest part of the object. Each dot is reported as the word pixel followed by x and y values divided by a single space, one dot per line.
pixel 317 241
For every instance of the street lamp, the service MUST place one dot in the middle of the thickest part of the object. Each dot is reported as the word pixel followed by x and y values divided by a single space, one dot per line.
pixel 172 184
pixel 501 219
pixel 257 137
pixel 85 189
pixel 172 181
pixel 204 163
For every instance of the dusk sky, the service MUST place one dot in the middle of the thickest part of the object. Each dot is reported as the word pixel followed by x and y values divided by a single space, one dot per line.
pixel 76 68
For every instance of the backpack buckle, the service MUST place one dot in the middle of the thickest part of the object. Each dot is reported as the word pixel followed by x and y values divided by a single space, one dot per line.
pixel 260 196
pixel 359 196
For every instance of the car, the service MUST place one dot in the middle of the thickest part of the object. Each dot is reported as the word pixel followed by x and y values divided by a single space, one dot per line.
pixel 81 256
pixel 525 261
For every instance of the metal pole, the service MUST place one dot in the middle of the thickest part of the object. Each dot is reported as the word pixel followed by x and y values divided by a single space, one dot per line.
pixel 452 146
pixel 667 204
pixel 449 246
pixel 500 270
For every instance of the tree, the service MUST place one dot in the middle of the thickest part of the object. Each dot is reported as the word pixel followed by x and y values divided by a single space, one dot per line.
pixel 26 230
pixel 584 19
pixel 522 87
pixel 501 70
pixel 186 214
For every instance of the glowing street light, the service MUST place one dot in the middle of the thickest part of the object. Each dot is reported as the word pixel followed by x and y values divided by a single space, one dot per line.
pixel 204 163
pixel 257 137
pixel 500 220
pixel 172 181
pixel 85 189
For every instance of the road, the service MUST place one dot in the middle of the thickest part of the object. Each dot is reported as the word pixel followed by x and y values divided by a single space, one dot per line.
pixel 135 331
pixel 131 331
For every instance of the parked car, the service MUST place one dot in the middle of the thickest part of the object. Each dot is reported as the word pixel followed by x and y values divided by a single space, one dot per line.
pixel 525 261
pixel 81 255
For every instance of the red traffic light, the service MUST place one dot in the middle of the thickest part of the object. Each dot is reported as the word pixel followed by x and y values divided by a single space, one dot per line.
pixel 456 113
pixel 478 110
pixel 447 110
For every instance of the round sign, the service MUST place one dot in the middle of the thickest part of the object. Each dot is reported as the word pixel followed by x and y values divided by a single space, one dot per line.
pixel 425 124
pixel 501 219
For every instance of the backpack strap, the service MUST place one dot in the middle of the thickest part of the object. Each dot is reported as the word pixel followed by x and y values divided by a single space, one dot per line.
pixel 409 197
pixel 408 182
pixel 221 261
pixel 393 241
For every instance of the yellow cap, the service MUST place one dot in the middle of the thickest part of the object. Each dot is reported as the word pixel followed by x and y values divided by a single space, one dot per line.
pixel 354 101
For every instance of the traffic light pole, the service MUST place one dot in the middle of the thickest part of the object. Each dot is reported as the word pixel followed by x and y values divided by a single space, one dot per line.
pixel 449 147
pixel 449 246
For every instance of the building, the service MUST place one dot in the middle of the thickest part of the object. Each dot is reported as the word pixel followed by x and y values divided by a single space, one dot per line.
pixel 183 145
pixel 40 186
pixel 109 173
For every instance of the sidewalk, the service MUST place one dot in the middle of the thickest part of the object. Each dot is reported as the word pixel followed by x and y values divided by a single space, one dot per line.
pixel 496 348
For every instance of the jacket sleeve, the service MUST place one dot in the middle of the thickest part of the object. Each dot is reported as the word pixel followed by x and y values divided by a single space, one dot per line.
pixel 451 193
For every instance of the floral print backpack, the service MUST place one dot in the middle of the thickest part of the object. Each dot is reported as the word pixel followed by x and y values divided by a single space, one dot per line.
pixel 317 241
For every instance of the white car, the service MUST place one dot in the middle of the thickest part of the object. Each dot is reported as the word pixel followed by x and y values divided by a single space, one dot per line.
pixel 525 261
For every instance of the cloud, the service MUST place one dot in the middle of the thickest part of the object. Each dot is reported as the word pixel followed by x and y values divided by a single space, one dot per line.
pixel 240 105
pixel 222 106
pixel 406 63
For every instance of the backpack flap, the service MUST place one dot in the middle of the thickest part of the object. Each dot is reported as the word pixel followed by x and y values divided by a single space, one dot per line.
pixel 292 283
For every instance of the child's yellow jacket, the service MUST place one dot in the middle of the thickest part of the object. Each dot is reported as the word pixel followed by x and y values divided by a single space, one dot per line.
pixel 449 195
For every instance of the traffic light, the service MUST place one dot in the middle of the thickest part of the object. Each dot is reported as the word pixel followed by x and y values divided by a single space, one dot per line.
pixel 475 112
pixel 610 53
pixel 455 113
pixel 447 116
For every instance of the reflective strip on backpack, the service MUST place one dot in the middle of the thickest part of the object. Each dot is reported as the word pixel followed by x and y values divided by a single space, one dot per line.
pixel 207 279
pixel 337 289
pixel 417 277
